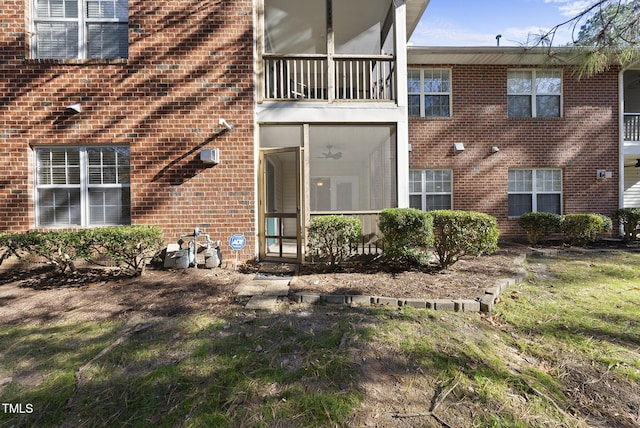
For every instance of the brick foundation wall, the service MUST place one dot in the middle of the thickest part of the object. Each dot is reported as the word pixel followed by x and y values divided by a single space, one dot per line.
pixel 584 140
pixel 190 63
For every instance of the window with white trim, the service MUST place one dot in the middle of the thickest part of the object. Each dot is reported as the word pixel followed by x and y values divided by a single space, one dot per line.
pixel 534 93
pixel 80 29
pixel 429 92
pixel 82 186
pixel 430 189
pixel 534 190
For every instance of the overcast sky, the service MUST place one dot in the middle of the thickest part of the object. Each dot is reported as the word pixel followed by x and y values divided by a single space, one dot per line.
pixel 477 22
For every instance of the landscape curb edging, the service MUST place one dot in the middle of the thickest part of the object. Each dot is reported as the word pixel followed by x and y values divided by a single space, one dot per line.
pixel 483 303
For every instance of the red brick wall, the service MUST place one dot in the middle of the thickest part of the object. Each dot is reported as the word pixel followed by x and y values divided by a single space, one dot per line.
pixel 584 140
pixel 190 63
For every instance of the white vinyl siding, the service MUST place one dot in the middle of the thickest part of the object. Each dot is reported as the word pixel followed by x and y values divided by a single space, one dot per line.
pixel 82 186
pixel 534 93
pixel 431 189
pixel 85 29
pixel 534 190
pixel 631 185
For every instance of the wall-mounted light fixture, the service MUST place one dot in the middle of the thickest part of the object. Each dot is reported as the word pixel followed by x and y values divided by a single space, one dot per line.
pixel 223 122
pixel 495 149
pixel 75 107
pixel 458 148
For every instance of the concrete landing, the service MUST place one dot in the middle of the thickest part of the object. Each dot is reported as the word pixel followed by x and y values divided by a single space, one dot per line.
pixel 262 303
pixel 264 293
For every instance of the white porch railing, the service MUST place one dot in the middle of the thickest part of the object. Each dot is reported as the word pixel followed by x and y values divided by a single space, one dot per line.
pixel 365 78
pixel 295 77
pixel 632 127
pixel 316 77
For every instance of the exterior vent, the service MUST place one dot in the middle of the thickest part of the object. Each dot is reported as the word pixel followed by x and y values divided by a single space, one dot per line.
pixel 210 156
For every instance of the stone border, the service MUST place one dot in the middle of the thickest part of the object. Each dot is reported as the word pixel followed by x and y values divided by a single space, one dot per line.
pixel 483 303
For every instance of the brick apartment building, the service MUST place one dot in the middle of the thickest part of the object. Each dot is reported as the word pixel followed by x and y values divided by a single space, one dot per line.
pixel 143 115
pixel 517 160
pixel 253 116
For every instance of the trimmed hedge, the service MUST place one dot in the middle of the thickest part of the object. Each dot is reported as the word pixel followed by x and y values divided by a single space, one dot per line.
pixel 407 234
pixel 60 249
pixel 8 247
pixel 579 229
pixel 131 247
pixel 630 220
pixel 332 236
pixel 539 224
pixel 458 233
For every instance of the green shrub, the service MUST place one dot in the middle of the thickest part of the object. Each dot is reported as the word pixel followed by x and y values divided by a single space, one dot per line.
pixel 607 223
pixel 630 219
pixel 131 247
pixel 458 233
pixel 579 229
pixel 539 224
pixel 407 234
pixel 7 247
pixel 59 248
pixel 332 236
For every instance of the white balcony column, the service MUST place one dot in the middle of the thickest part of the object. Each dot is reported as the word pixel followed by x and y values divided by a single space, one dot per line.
pixel 331 66
pixel 402 100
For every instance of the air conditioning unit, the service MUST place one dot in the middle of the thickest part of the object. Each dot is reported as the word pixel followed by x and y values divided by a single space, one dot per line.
pixel 210 156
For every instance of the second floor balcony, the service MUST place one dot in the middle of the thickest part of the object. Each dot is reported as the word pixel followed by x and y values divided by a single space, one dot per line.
pixel 323 78
pixel 329 50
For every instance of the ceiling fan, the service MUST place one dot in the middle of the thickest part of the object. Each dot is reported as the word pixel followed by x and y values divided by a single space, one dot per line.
pixel 635 165
pixel 330 155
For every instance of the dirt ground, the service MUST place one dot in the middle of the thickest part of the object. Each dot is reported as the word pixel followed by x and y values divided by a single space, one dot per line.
pixel 34 294
pixel 37 294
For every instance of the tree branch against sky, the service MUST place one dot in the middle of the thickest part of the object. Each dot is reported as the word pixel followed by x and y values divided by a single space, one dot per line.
pixel 609 30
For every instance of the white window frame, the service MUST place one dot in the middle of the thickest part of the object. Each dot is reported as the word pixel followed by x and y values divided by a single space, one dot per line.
pixel 422 93
pixel 535 191
pixel 84 186
pixel 423 193
pixel 82 21
pixel 533 95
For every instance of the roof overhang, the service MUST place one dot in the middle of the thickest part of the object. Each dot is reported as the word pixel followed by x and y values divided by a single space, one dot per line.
pixel 415 9
pixel 454 55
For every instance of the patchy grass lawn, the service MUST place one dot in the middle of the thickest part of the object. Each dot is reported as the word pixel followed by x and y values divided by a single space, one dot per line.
pixel 561 349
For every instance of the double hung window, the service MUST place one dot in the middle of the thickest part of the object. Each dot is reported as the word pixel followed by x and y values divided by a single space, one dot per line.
pixel 430 189
pixel 534 190
pixel 82 186
pixel 429 92
pixel 534 93
pixel 80 29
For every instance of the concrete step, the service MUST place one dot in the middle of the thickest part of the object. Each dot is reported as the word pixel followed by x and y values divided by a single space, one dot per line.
pixel 263 303
pixel 267 287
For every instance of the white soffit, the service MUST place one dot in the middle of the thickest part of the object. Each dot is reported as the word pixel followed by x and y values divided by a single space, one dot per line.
pixel 453 55
pixel 415 9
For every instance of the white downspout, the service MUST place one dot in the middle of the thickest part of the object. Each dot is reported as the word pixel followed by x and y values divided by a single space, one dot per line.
pixel 258 43
pixel 621 149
